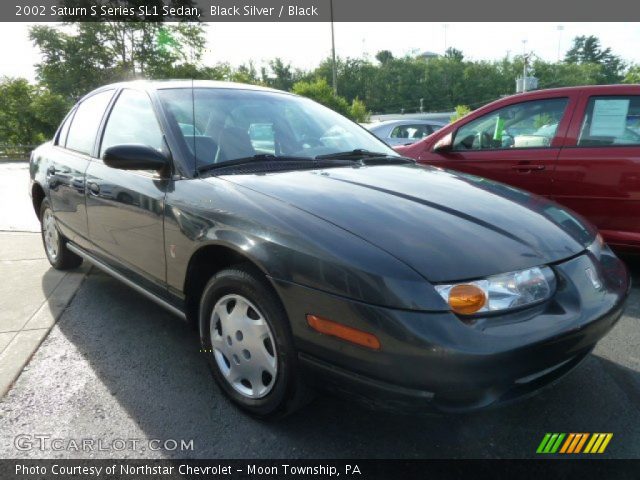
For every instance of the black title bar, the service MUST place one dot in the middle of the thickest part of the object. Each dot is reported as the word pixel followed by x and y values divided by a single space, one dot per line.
pixel 319 469
pixel 316 10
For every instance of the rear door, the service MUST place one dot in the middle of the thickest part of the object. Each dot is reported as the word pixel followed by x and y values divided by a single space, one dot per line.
pixel 68 163
pixel 598 170
pixel 517 144
pixel 125 208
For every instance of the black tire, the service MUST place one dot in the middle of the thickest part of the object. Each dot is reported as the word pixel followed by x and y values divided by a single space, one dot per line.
pixel 287 393
pixel 63 259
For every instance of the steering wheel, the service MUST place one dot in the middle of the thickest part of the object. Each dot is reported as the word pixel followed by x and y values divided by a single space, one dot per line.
pixel 482 140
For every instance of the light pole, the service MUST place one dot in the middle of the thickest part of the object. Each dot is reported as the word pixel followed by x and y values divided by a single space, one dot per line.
pixel 445 26
pixel 524 66
pixel 560 28
pixel 333 53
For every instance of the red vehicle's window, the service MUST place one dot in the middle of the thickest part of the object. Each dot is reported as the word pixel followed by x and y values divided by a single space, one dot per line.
pixel 530 124
pixel 610 121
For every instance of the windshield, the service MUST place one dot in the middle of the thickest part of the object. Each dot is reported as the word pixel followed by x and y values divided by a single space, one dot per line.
pixel 221 125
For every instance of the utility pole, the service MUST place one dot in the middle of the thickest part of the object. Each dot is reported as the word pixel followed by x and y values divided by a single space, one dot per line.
pixel 560 28
pixel 524 66
pixel 333 53
pixel 445 26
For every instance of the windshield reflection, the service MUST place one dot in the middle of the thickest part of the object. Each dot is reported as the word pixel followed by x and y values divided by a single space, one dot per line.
pixel 222 125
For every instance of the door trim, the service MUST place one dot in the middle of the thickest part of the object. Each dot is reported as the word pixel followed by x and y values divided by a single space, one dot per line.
pixel 118 276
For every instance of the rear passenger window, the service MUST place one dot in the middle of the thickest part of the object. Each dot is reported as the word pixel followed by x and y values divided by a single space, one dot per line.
pixel 611 121
pixel 64 130
pixel 132 121
pixel 85 123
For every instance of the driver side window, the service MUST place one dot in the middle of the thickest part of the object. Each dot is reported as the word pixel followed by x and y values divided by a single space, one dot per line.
pixel 530 124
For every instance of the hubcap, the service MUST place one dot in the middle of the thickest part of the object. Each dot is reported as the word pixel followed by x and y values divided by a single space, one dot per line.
pixel 50 234
pixel 243 346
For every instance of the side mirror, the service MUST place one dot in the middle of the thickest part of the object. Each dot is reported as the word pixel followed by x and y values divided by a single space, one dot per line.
pixel 135 157
pixel 444 144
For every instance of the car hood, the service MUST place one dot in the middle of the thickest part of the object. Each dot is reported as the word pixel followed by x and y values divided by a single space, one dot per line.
pixel 446 226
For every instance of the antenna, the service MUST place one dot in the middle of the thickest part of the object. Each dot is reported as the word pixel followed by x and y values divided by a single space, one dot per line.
pixel 193 128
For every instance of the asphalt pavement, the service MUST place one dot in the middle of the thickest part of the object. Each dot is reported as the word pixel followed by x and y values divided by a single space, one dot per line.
pixel 116 367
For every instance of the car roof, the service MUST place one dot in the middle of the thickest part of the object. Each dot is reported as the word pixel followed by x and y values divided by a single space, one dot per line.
pixel 579 88
pixel 152 85
pixel 405 122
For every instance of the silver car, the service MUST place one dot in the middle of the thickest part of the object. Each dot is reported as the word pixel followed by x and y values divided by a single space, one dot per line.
pixel 404 132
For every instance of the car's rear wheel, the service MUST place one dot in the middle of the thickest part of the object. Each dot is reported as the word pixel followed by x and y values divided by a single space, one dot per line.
pixel 247 342
pixel 55 245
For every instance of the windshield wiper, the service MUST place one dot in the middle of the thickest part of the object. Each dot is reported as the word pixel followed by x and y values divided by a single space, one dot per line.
pixel 263 157
pixel 366 157
pixel 357 154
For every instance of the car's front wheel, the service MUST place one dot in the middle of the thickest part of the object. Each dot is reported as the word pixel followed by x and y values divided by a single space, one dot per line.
pixel 247 341
pixel 55 245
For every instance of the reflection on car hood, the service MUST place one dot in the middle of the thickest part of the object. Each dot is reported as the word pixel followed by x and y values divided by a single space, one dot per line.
pixel 445 225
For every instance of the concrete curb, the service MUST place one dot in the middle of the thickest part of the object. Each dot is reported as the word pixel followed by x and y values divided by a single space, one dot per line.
pixel 18 347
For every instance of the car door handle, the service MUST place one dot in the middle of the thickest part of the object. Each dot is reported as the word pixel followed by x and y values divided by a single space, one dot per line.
pixel 528 168
pixel 94 188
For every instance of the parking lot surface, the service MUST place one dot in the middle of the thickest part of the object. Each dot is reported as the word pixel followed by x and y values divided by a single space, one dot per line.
pixel 118 367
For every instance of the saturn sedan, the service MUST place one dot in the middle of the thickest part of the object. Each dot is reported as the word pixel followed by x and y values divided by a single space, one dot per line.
pixel 310 254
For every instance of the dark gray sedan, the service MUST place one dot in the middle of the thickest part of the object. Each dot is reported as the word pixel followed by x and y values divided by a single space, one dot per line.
pixel 308 253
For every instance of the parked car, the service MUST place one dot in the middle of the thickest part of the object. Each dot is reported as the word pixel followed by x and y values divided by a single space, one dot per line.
pixel 579 146
pixel 331 261
pixel 404 132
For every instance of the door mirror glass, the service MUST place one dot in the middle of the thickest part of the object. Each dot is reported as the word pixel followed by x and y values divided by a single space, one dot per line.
pixel 134 157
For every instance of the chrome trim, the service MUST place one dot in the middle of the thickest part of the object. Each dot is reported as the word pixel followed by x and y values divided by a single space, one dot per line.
pixel 151 296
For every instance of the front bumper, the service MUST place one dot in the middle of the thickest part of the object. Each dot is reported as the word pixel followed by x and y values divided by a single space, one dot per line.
pixel 433 359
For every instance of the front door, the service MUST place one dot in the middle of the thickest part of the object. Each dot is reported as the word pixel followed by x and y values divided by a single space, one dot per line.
pixel 125 209
pixel 517 144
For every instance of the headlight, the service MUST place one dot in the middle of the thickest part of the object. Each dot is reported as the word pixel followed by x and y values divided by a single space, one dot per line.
pixel 499 292
pixel 597 246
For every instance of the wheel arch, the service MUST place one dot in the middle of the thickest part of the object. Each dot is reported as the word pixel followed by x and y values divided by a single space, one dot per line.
pixel 205 262
pixel 37 197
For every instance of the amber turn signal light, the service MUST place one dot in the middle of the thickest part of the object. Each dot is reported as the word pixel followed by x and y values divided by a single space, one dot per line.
pixel 350 334
pixel 466 299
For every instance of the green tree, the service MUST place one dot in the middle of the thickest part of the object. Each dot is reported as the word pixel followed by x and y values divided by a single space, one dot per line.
pixel 280 75
pixel 320 91
pixel 95 53
pixel 587 50
pixel 358 111
pixel 461 111
pixel 633 75
pixel 28 114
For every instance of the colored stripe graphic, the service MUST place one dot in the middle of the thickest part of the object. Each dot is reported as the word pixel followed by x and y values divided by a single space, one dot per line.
pixel 574 443
pixel 544 441
pixel 581 443
pixel 550 443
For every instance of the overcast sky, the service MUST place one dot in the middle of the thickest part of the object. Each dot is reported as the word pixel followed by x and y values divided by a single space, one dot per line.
pixel 306 44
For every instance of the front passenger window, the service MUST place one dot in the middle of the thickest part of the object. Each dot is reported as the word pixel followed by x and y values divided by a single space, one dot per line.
pixel 530 124
pixel 132 121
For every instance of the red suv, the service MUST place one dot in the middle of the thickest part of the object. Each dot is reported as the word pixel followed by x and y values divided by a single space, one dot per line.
pixel 579 146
